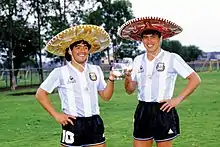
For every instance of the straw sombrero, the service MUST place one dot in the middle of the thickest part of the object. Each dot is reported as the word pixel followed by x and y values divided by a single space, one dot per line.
pixel 97 37
pixel 133 28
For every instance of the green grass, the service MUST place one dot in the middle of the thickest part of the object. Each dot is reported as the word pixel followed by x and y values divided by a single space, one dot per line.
pixel 24 123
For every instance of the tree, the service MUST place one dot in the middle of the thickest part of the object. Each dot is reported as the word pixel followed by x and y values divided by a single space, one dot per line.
pixel 172 46
pixel 128 49
pixel 111 15
pixel 14 29
pixel 62 15
pixel 193 53
pixel 188 53
pixel 23 47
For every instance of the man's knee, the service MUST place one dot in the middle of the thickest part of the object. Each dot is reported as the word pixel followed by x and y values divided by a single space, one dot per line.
pixel 164 144
pixel 99 145
pixel 142 143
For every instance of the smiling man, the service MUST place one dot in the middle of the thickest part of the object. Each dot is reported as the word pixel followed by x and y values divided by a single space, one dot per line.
pixel 79 85
pixel 154 74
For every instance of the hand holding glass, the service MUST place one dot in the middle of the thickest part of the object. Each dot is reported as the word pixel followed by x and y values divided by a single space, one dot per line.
pixel 117 70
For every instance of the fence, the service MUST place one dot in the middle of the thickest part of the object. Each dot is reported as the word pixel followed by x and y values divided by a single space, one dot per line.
pixel 202 66
pixel 30 77
pixel 23 78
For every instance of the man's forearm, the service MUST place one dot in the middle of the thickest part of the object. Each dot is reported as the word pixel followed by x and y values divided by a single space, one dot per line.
pixel 129 85
pixel 107 93
pixel 194 81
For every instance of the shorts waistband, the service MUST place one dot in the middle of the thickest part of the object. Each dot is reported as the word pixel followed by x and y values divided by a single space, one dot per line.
pixel 150 103
pixel 156 105
pixel 87 118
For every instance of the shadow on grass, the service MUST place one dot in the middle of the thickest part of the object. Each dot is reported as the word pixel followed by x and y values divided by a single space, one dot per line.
pixel 23 93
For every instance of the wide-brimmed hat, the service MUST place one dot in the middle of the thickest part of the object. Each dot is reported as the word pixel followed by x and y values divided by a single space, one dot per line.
pixel 133 28
pixel 96 36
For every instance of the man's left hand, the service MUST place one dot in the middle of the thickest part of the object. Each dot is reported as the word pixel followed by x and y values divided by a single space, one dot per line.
pixel 169 104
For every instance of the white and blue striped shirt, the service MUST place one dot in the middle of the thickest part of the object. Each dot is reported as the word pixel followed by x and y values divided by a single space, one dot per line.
pixel 156 79
pixel 78 91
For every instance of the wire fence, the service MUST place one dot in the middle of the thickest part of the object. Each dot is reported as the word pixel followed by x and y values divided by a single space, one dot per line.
pixel 23 77
pixel 30 77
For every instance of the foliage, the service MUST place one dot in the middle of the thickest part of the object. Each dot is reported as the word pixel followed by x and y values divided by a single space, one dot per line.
pixel 188 53
pixel 20 22
pixel 24 41
pixel 111 15
pixel 62 15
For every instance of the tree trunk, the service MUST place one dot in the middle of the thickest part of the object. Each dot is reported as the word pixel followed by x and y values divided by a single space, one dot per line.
pixel 11 66
pixel 109 62
pixel 39 43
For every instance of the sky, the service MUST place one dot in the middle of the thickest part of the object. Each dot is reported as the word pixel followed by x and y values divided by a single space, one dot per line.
pixel 200 19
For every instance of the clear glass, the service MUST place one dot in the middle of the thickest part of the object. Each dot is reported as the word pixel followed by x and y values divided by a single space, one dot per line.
pixel 117 69
pixel 128 65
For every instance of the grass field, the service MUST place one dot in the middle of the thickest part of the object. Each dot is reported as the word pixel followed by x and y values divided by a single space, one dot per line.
pixel 24 123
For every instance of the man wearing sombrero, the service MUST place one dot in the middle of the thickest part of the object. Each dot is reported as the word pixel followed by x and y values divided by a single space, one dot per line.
pixel 78 84
pixel 154 74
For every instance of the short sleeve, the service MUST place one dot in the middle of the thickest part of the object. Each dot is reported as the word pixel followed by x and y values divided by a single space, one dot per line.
pixel 102 84
pixel 136 66
pixel 52 81
pixel 181 67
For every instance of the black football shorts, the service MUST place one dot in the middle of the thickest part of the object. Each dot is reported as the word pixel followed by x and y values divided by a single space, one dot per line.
pixel 86 131
pixel 152 123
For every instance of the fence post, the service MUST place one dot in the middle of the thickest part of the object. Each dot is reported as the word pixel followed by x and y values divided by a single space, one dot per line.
pixel 217 65
pixel 210 66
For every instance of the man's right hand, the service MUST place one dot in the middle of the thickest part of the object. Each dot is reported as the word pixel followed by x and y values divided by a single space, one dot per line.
pixel 128 72
pixel 63 118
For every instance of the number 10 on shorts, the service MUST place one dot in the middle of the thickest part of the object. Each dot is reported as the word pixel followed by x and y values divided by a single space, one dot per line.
pixel 68 137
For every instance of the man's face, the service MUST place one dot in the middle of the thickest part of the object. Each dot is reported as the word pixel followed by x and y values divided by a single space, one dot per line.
pixel 80 53
pixel 151 42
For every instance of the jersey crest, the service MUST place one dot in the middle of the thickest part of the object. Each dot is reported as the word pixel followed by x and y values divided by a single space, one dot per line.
pixel 160 67
pixel 92 76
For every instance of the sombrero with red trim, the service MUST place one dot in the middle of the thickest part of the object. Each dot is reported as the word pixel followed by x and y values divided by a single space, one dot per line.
pixel 96 36
pixel 132 29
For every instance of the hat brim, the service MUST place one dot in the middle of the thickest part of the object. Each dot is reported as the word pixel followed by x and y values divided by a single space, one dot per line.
pixel 132 29
pixel 97 37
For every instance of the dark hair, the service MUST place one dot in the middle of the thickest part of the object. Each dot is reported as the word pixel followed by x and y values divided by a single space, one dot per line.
pixel 153 32
pixel 67 55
